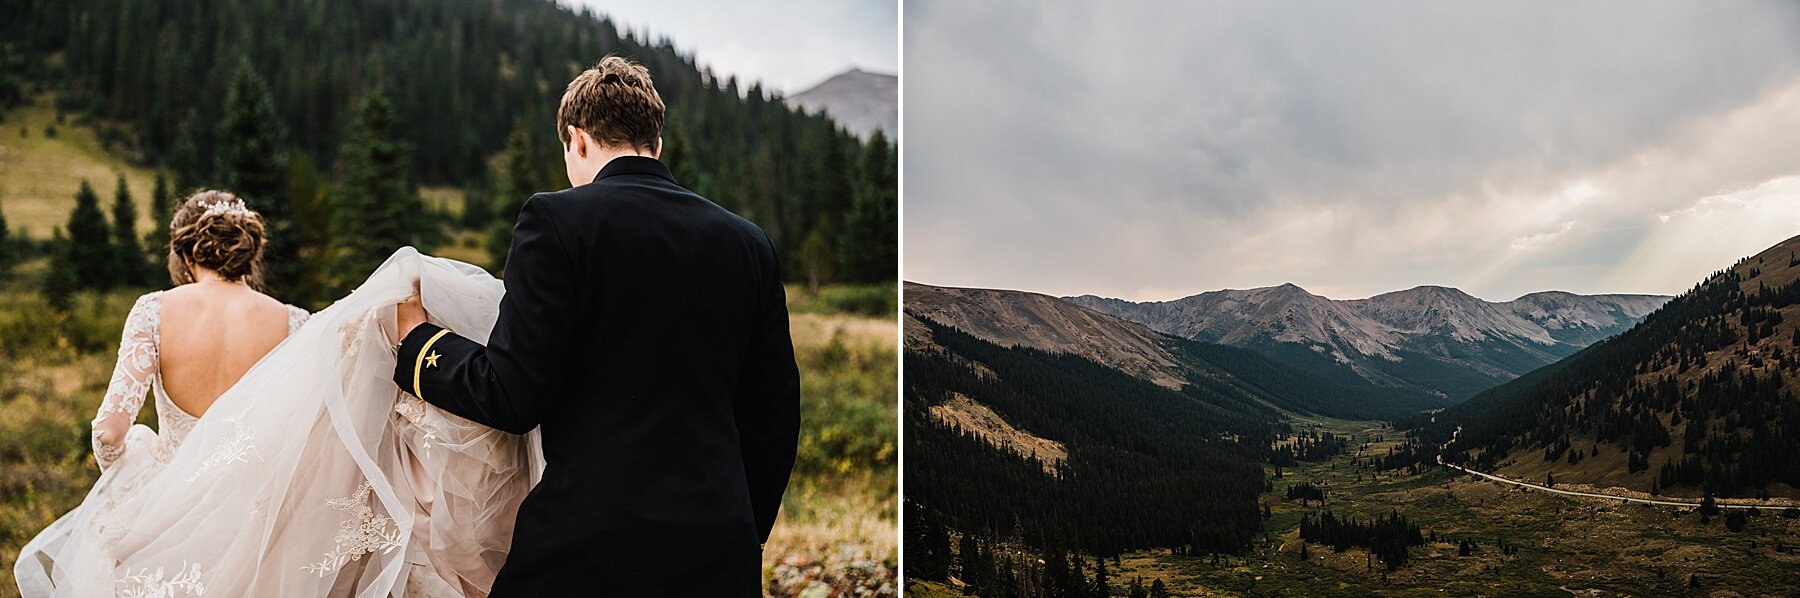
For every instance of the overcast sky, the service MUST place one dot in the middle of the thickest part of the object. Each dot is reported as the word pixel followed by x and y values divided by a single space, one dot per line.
pixel 789 45
pixel 1152 150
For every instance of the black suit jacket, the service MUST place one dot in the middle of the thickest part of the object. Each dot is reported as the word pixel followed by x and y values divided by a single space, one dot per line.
pixel 645 330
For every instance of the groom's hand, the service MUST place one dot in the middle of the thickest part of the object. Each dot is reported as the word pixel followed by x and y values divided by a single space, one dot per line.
pixel 409 314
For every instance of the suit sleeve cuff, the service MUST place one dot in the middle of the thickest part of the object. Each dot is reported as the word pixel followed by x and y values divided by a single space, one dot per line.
pixel 406 362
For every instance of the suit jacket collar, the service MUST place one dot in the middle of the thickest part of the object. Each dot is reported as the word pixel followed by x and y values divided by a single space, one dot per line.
pixel 634 165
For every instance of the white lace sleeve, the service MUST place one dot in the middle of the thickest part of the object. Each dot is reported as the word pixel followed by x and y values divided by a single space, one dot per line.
pixel 131 379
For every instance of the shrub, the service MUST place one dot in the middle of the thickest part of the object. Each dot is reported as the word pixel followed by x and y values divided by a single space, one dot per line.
pixel 876 301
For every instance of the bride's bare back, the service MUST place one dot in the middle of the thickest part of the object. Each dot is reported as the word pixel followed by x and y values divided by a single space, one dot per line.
pixel 211 334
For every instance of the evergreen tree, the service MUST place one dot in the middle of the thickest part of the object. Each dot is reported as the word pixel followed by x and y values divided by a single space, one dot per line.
pixel 1708 508
pixel 818 259
pixel 162 210
pixel 478 204
pixel 377 207
pixel 60 281
pixel 308 192
pixel 191 170
pixel 914 543
pixel 130 253
pixel 870 239
pixel 517 186
pixel 934 562
pixel 1056 580
pixel 1101 588
pixel 92 259
pixel 252 162
pixel 1158 589
pixel 973 566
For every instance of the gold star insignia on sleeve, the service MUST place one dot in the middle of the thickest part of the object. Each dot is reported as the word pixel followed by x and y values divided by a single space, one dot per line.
pixel 431 360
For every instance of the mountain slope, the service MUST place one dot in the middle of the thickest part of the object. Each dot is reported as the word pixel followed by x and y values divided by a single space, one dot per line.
pixel 1700 396
pixel 1014 318
pixel 860 100
pixel 1238 377
pixel 1428 339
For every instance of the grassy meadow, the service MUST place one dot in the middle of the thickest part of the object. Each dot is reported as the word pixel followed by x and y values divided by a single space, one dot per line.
pixel 44 158
pixel 1564 545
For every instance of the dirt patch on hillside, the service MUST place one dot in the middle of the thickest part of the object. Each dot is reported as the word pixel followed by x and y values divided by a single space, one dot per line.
pixel 976 418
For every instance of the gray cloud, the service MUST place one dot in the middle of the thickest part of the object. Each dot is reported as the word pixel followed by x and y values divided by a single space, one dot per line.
pixel 1154 149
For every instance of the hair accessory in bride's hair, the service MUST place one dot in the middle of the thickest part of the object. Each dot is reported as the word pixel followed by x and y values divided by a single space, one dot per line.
pixel 231 206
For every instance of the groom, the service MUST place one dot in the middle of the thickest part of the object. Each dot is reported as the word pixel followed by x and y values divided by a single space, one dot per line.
pixel 644 330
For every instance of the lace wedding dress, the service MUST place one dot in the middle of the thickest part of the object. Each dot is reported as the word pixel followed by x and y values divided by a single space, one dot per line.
pixel 312 476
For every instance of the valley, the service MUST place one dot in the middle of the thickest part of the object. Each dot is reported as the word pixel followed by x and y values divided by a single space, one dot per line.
pixel 1558 545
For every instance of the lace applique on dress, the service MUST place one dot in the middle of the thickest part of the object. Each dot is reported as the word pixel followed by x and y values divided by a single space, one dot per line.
pixel 352 334
pixel 364 532
pixel 235 446
pixel 413 409
pixel 153 584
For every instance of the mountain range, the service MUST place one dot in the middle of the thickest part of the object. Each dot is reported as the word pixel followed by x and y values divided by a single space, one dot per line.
pixel 1236 379
pixel 1431 339
pixel 862 101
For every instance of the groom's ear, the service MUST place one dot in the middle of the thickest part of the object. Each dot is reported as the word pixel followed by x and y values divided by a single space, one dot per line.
pixel 656 153
pixel 576 142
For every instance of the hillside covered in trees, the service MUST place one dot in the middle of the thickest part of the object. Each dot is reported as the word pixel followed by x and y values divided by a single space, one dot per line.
pixel 327 115
pixel 1147 466
pixel 1699 398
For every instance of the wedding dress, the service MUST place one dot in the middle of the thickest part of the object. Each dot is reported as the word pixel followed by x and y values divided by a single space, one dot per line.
pixel 313 475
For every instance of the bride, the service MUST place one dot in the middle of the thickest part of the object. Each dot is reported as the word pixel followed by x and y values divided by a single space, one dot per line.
pixel 284 462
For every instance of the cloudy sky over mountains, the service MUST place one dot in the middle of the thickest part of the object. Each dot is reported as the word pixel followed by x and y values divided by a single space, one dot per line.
pixel 1151 150
pixel 790 46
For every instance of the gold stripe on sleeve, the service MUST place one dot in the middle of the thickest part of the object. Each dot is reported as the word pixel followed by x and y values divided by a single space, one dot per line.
pixel 420 362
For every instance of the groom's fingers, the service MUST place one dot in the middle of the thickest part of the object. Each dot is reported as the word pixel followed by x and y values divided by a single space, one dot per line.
pixel 409 314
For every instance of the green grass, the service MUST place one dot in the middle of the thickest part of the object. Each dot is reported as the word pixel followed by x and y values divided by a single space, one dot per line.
pixel 929 589
pixel 40 174
pixel 872 300
pixel 1563 542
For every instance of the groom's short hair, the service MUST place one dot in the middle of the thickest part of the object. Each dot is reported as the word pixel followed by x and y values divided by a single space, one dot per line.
pixel 615 102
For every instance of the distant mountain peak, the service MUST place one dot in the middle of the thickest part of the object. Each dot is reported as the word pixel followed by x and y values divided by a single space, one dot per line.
pixel 861 101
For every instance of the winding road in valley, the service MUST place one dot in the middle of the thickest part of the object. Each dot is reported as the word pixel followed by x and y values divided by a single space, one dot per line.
pixel 1666 503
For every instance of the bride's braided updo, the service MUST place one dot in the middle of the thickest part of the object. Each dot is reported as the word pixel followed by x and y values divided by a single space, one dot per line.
pixel 214 230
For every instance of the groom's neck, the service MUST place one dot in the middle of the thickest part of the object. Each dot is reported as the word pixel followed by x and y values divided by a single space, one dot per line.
pixel 598 160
